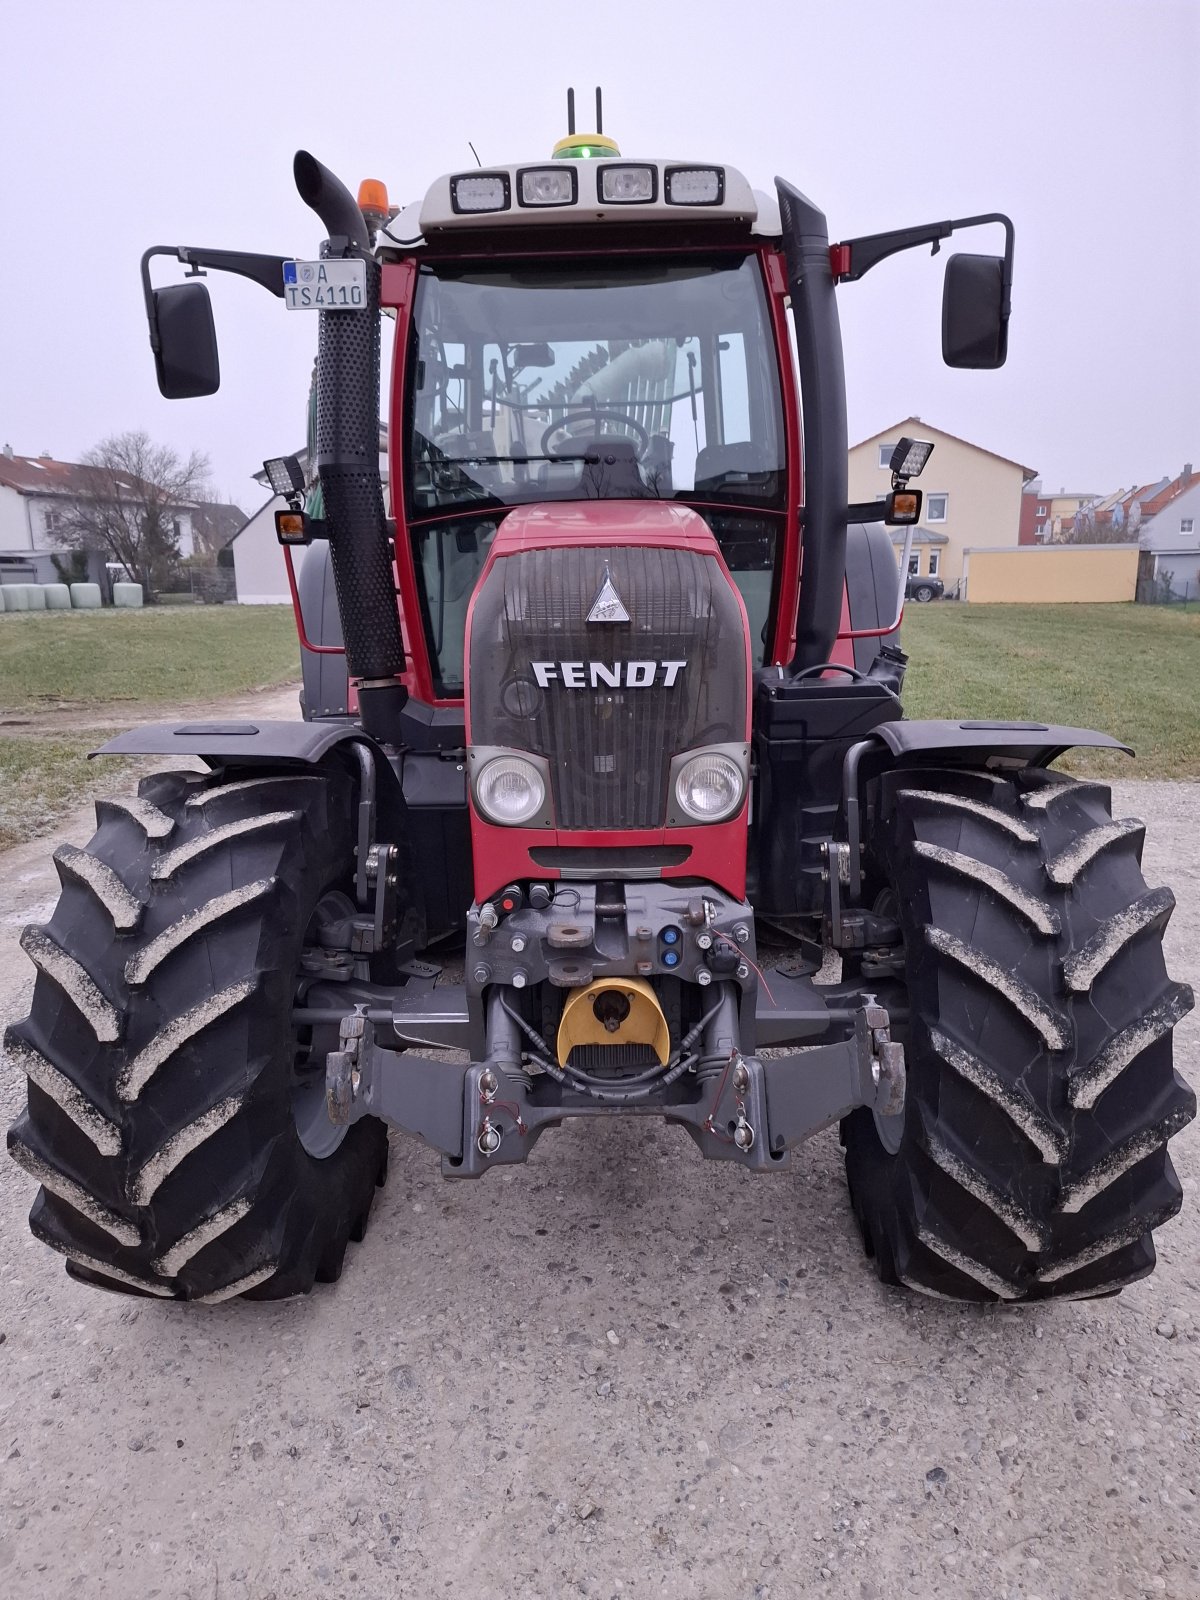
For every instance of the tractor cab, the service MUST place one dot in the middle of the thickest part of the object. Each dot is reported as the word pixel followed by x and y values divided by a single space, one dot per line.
pixel 589 329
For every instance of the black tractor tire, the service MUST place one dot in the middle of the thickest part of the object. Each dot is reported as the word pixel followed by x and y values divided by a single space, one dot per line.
pixel 164 1071
pixel 923 594
pixel 1030 1160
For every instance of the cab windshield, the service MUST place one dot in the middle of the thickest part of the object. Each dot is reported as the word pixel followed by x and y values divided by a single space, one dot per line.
pixel 593 381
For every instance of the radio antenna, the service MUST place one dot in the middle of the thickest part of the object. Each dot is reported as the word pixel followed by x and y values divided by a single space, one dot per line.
pixel 599 114
pixel 570 111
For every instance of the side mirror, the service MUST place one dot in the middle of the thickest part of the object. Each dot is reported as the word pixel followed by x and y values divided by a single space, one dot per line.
pixel 186 359
pixel 974 316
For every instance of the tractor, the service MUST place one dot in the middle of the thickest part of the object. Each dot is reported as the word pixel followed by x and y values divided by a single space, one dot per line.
pixel 603 802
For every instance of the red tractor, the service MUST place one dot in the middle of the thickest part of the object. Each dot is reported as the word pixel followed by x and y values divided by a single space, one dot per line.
pixel 610 704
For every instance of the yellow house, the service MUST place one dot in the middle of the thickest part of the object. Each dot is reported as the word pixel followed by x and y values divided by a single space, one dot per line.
pixel 972 496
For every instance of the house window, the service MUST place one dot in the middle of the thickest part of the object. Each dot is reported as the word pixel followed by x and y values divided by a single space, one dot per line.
pixel 1186 524
pixel 1041 511
pixel 886 452
pixel 935 507
pixel 935 561
pixel 914 565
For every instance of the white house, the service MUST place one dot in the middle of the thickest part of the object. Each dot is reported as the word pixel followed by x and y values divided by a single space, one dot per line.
pixel 1170 547
pixel 258 563
pixel 35 494
pixel 258 566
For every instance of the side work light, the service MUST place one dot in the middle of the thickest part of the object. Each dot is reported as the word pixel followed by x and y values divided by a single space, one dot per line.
pixel 909 458
pixel 286 477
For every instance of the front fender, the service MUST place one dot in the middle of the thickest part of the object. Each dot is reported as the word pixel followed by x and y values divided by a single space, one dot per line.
pixel 1034 743
pixel 224 742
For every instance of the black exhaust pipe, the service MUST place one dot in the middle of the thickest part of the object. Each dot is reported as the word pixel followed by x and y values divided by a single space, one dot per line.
pixel 823 397
pixel 348 461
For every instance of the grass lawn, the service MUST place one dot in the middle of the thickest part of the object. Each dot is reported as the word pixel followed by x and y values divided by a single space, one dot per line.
pixel 159 654
pixel 42 778
pixel 1132 671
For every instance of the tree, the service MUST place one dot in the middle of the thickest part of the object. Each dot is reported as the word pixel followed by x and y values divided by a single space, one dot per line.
pixel 1090 529
pixel 130 514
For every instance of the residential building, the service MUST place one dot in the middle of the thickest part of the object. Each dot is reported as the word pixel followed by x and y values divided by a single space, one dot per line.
pixel 1049 518
pixel 1034 507
pixel 1169 567
pixel 258 562
pixel 1147 500
pixel 214 524
pixel 36 493
pixel 973 496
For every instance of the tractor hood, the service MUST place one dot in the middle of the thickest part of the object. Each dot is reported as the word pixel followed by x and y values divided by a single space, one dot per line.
pixel 560 524
pixel 606 646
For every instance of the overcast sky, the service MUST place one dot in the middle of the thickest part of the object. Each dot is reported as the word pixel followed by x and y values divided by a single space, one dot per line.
pixel 125 124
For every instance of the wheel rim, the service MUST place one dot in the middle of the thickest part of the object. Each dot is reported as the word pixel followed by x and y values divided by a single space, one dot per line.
pixel 888 1130
pixel 320 1136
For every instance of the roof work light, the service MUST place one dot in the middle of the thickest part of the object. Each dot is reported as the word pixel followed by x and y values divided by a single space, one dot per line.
pixel 627 185
pixel 695 186
pixel 479 191
pixel 546 186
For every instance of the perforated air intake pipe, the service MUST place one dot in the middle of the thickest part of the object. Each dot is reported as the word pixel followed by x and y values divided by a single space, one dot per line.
pixel 348 461
pixel 823 399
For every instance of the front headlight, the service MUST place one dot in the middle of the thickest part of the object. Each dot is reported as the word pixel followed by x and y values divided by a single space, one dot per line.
pixel 510 790
pixel 710 786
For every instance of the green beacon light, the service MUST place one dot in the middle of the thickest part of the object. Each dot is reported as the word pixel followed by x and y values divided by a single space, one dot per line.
pixel 584 146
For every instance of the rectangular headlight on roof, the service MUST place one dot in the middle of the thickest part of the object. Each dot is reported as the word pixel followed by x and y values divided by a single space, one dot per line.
pixel 479 191
pixel 546 186
pixel 695 186
pixel 627 185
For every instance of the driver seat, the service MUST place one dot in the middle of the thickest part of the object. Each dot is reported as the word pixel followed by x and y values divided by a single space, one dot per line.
pixel 609 468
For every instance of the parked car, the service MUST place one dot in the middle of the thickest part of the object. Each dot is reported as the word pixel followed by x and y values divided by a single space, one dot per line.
pixel 924 589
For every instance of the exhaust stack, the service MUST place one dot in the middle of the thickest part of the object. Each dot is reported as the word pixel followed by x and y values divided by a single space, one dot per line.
pixel 823 396
pixel 348 461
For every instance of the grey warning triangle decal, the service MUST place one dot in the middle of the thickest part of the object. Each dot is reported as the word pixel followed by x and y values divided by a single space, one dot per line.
pixel 608 605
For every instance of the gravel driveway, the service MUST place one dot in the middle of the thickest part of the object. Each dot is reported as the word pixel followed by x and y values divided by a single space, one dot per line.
pixel 618 1371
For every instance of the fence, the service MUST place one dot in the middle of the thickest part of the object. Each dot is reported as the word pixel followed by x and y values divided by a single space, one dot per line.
pixel 210 586
pixel 1161 591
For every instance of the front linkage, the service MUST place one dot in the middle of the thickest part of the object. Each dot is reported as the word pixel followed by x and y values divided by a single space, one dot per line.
pixel 736 1106
pixel 699 944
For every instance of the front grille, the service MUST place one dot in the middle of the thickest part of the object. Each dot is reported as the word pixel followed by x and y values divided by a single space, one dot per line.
pixel 609 749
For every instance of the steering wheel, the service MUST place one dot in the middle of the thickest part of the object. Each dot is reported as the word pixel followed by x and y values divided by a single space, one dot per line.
pixel 642 436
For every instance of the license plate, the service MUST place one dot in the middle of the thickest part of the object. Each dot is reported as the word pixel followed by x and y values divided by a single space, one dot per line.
pixel 324 285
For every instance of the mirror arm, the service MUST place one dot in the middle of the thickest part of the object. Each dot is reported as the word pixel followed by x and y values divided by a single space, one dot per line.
pixel 863 254
pixel 264 270
pixel 865 511
pixel 872 248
